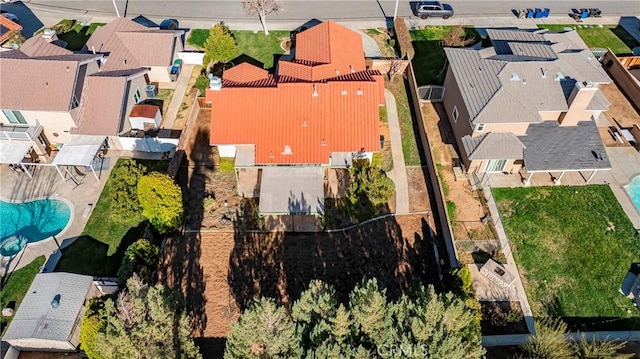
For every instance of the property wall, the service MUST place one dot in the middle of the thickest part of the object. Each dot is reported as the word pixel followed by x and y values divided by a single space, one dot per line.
pixel 159 74
pixel 227 151
pixel 453 97
pixel 32 344
pixel 518 129
pixel 59 123
pixel 622 77
pixel 191 57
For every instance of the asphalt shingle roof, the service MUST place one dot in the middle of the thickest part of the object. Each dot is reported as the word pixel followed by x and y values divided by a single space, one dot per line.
pixel 551 147
pixel 494 145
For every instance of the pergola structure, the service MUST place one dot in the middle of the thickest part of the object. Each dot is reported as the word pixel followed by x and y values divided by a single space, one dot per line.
pixel 14 152
pixel 79 150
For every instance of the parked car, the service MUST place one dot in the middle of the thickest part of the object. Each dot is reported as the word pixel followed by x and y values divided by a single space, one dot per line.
pixel 169 24
pixel 425 9
pixel 10 16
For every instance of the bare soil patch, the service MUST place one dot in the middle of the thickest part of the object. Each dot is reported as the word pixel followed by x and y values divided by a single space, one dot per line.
pixel 621 109
pixel 43 355
pixel 418 192
pixel 468 206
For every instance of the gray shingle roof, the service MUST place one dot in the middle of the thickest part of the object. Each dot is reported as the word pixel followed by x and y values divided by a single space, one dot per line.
pixel 550 147
pixel 493 146
pixel 476 77
pixel 502 38
pixel 533 50
pixel 35 318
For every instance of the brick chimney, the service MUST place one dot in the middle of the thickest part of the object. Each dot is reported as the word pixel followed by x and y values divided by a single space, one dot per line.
pixel 579 100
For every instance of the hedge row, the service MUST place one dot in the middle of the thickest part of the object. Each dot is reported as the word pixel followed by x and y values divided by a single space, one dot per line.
pixel 403 38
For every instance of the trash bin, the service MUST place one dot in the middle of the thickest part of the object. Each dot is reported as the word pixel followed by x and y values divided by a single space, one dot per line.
pixel 174 72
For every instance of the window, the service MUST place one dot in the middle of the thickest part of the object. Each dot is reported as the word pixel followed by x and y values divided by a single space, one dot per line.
pixel 480 127
pixel 137 96
pixel 496 165
pixel 455 114
pixel 14 116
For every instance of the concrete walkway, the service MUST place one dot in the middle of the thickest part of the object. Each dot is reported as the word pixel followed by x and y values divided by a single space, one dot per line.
pixel 399 172
pixel 178 96
pixel 625 165
pixel 511 264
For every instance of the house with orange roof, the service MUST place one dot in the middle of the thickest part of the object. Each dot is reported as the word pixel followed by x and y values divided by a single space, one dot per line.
pixel 7 29
pixel 319 110
pixel 128 45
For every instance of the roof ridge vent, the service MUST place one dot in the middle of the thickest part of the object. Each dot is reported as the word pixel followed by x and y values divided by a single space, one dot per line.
pixel 515 77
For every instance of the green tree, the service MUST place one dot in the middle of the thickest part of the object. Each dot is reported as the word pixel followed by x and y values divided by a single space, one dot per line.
pixel 370 183
pixel 550 341
pixel 161 201
pixel 368 305
pixel 220 46
pixel 312 312
pixel 92 323
pixel 263 331
pixel 146 322
pixel 202 82
pixel 141 257
pixel 124 197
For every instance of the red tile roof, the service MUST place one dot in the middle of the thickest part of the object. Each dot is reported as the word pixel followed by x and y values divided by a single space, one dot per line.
pixel 292 118
pixel 144 111
pixel 11 27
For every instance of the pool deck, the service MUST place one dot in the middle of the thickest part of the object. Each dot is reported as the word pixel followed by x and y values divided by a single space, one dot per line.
pixel 47 183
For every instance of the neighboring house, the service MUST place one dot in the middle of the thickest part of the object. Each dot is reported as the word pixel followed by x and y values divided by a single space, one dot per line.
pixel 8 28
pixel 41 92
pixel 530 101
pixel 51 312
pixel 319 110
pixel 129 45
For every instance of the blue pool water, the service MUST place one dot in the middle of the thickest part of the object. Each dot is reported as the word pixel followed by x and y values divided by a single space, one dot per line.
pixel 35 220
pixel 633 189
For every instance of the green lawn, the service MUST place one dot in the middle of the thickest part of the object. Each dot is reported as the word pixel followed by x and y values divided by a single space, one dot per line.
pixel 614 37
pixel 255 45
pixel 573 246
pixel 16 286
pixel 409 145
pixel 75 34
pixel 103 225
pixel 429 60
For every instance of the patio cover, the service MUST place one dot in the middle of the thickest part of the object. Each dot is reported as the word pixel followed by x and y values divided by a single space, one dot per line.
pixel 292 190
pixel 13 151
pixel 79 150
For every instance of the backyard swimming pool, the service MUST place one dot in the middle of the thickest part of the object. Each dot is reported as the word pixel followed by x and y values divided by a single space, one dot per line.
pixel 633 190
pixel 35 221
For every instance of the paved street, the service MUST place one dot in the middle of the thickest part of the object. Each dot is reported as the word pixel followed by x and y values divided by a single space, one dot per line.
pixel 231 10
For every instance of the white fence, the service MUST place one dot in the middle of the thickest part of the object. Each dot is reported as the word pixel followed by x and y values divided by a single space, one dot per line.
pixel 148 144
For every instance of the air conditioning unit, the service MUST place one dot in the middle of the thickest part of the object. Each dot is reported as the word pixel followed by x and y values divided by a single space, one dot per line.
pixel 152 91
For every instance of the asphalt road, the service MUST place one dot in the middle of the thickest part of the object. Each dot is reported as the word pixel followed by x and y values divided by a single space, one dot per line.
pixel 215 10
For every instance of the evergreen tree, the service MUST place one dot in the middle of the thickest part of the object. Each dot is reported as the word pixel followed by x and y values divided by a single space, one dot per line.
pixel 313 311
pixel 147 323
pixel 123 194
pixel 368 305
pixel 263 331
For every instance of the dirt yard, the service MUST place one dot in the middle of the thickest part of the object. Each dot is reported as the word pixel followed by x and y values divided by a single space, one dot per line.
pixel 621 110
pixel 418 193
pixel 220 272
pixel 468 208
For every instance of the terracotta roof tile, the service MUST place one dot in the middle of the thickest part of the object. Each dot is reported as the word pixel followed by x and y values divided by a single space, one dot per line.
pixel 8 28
pixel 245 72
pixel 295 120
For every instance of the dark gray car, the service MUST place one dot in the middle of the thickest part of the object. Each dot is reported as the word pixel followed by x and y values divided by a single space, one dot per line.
pixel 425 9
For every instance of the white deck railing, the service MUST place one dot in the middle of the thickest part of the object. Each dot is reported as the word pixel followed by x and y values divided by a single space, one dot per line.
pixel 19 132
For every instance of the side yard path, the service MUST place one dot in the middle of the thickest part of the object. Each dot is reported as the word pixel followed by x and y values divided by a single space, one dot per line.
pixel 399 172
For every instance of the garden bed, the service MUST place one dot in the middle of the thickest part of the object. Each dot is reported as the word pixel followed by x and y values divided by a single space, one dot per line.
pixel 502 318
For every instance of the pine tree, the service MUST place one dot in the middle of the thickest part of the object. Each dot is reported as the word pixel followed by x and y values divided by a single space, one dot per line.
pixel 368 305
pixel 145 322
pixel 312 312
pixel 263 331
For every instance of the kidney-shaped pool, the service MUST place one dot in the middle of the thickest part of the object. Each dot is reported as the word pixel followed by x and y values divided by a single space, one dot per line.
pixel 34 220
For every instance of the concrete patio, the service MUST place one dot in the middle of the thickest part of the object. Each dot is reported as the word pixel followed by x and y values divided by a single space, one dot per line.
pixel 47 183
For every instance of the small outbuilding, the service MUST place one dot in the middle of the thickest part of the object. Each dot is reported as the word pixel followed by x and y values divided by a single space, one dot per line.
pixel 143 117
pixel 49 317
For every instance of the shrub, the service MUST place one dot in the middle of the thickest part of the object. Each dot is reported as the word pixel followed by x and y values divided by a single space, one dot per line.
pixel 63 26
pixel 92 323
pixel 202 82
pixel 220 46
pixel 456 37
pixel 208 203
pixel 370 183
pixel 161 201
pixel 140 257
pixel 124 179
pixel 404 38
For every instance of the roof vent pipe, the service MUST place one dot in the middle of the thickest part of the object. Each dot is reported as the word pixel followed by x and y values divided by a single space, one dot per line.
pixel 55 303
pixel 515 77
pixel 544 73
pixel 315 91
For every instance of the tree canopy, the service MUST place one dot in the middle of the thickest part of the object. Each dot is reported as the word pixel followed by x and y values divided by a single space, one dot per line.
pixel 143 322
pixel 220 45
pixel 161 201
pixel 140 258
pixel 124 196
pixel 369 183
pixel 420 324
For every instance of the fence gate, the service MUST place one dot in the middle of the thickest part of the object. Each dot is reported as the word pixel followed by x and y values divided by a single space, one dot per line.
pixel 431 93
